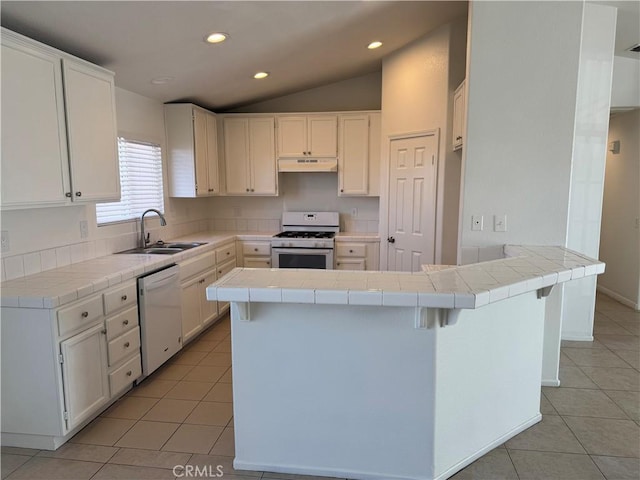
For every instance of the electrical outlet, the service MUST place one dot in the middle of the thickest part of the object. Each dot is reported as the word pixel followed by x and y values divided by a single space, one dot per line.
pixel 84 229
pixel 477 222
pixel 354 212
pixel 5 241
pixel 499 223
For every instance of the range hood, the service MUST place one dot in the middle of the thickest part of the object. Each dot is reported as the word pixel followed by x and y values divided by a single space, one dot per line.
pixel 308 165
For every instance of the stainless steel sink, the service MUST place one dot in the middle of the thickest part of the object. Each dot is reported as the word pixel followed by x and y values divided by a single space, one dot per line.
pixel 162 248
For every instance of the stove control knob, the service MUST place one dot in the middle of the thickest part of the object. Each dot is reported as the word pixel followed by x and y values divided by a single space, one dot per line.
pixel 290 244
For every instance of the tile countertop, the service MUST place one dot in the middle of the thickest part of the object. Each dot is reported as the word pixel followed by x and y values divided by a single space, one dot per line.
pixel 56 287
pixel 524 269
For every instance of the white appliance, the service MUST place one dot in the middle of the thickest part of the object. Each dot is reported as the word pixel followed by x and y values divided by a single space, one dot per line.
pixel 308 165
pixel 307 240
pixel 160 309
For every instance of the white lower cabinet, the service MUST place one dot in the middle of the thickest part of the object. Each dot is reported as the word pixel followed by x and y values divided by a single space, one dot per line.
pixel 256 254
pixel 67 365
pixel 84 374
pixel 356 255
pixel 196 274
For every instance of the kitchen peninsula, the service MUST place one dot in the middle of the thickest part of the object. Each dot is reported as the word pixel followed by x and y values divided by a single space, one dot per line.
pixel 389 375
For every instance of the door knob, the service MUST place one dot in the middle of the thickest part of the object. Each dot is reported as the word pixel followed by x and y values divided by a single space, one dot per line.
pixel 391 240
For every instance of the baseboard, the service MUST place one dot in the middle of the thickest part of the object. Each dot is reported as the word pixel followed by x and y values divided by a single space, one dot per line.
pixel 472 458
pixel 550 383
pixel 317 472
pixel 618 297
pixel 576 337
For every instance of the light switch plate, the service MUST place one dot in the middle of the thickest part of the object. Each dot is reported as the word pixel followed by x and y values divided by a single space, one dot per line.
pixel 499 223
pixel 5 241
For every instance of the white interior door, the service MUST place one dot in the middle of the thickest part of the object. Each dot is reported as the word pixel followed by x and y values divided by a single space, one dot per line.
pixel 412 202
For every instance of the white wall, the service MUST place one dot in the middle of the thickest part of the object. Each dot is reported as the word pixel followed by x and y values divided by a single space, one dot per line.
pixel 358 93
pixel 588 161
pixel 625 91
pixel 620 235
pixel 535 71
pixel 417 92
pixel 297 192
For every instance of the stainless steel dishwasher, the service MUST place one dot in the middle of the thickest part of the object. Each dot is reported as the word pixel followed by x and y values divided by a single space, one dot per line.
pixel 160 310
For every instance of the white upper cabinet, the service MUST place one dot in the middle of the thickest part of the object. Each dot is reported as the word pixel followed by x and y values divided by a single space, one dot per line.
pixel 250 163
pixel 51 100
pixel 313 136
pixel 91 128
pixel 459 109
pixel 359 154
pixel 193 150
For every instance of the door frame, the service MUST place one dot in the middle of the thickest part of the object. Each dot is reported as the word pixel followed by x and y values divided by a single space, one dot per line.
pixel 385 187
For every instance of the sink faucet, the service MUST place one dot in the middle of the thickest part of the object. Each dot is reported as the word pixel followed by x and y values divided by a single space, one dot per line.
pixel 144 240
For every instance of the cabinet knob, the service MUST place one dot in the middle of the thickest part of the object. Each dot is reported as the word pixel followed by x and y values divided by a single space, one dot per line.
pixel 247 189
pixel 255 249
pixel 68 194
pixel 103 331
pixel 84 314
pixel 125 322
pixel 123 298
pixel 129 373
pixel 338 263
pixel 341 190
pixel 350 251
pixel 268 262
pixel 252 190
pixel 78 194
pixel 458 138
pixel 228 253
pixel 126 345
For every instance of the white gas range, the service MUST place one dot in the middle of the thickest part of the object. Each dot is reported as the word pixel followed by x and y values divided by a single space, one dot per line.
pixel 307 240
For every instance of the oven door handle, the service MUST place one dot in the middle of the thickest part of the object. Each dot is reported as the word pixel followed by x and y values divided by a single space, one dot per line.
pixel 307 251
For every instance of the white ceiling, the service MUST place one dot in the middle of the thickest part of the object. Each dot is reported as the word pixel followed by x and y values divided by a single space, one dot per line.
pixel 303 44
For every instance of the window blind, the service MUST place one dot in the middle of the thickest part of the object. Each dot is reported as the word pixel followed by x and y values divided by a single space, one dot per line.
pixel 140 182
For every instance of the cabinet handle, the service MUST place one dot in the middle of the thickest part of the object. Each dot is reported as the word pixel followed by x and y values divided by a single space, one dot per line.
pixel 78 194
pixel 338 263
pixel 103 331
pixel 129 373
pixel 350 251
pixel 255 249
pixel 458 138
pixel 125 322
pixel 84 314
pixel 123 298
pixel 126 345
pixel 68 194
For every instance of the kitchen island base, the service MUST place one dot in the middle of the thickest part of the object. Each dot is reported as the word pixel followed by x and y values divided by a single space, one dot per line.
pixel 373 392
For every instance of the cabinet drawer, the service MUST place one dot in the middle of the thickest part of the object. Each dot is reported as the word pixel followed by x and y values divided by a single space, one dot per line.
pixel 225 252
pixel 125 375
pixel 120 298
pixel 256 248
pixel 257 262
pixel 123 346
pixel 351 250
pixel 226 268
pixel 121 323
pixel 196 265
pixel 72 318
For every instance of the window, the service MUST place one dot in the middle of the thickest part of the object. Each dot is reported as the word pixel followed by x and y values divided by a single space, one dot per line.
pixel 140 182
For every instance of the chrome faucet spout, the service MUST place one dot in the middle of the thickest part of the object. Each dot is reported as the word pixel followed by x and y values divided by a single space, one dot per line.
pixel 143 239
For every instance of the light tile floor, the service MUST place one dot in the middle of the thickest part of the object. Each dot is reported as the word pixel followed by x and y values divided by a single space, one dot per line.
pixel 183 415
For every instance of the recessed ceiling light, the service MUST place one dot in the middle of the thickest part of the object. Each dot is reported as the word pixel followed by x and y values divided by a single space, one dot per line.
pixel 161 80
pixel 216 37
pixel 260 75
pixel 373 45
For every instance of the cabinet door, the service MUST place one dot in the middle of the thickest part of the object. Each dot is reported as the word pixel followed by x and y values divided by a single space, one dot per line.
pixel 35 169
pixel 209 309
pixel 212 155
pixel 322 136
pixel 236 155
pixel 350 264
pixel 292 136
pixel 91 129
pixel 200 153
pixel 458 117
pixel 262 156
pixel 84 374
pixel 191 315
pixel 353 161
